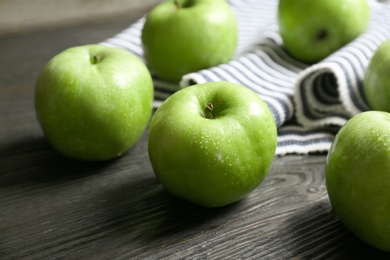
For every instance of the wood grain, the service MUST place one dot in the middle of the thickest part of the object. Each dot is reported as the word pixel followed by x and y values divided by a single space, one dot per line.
pixel 56 208
pixel 22 15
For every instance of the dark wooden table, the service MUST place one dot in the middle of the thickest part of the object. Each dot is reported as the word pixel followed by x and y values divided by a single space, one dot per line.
pixel 55 208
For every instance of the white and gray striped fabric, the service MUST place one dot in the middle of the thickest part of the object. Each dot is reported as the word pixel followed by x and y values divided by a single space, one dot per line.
pixel 309 102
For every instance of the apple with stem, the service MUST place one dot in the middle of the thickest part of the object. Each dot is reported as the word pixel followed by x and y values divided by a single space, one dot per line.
pixel 313 29
pixel 182 36
pixel 93 102
pixel 212 143
pixel 377 79
pixel 358 177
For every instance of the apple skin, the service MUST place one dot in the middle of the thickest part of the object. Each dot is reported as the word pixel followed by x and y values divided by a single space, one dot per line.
pixel 312 30
pixel 215 161
pixel 358 177
pixel 197 35
pixel 93 102
pixel 377 79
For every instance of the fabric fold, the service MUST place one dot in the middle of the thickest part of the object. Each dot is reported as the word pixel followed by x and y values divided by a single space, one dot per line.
pixel 309 102
pixel 331 91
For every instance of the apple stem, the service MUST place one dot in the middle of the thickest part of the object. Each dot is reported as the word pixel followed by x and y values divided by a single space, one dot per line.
pixel 177 4
pixel 96 58
pixel 322 34
pixel 209 111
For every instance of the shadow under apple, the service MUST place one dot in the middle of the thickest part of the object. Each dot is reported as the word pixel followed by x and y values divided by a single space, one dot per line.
pixel 34 160
pixel 315 232
pixel 151 214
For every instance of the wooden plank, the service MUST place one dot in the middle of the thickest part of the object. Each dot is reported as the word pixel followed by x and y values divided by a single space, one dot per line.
pixel 24 15
pixel 52 207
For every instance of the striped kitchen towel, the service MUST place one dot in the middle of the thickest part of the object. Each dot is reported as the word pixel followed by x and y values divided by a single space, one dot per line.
pixel 309 102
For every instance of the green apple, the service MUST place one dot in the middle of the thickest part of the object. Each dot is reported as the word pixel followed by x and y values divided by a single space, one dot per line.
pixel 93 102
pixel 377 79
pixel 212 143
pixel 358 177
pixel 313 29
pixel 182 36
